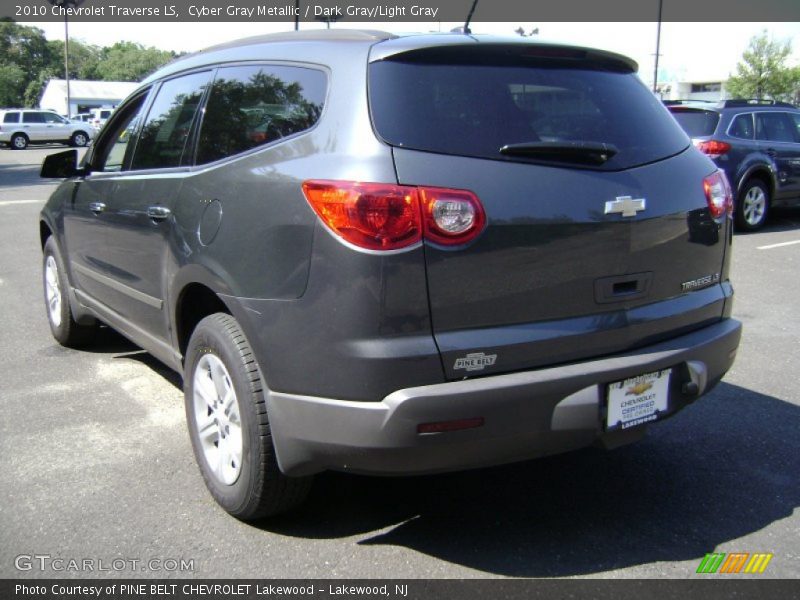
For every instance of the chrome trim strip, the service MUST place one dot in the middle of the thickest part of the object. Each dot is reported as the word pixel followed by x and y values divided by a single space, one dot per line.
pixel 120 287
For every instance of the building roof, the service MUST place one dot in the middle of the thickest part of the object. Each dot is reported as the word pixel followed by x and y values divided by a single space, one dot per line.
pixel 78 88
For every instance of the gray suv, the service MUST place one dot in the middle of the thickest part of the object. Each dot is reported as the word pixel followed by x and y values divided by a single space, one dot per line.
pixel 397 255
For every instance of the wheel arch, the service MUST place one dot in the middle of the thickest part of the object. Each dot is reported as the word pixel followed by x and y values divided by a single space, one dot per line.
pixel 196 293
pixel 762 172
pixel 45 231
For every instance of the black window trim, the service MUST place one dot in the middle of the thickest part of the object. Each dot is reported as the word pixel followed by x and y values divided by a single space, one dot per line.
pixel 190 166
pixel 180 167
pixel 248 63
pixel 752 124
pixel 89 159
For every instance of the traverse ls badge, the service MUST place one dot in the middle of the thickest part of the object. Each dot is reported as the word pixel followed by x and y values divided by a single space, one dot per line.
pixel 625 206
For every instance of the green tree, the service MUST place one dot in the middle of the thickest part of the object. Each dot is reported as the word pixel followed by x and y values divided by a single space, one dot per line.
pixel 24 54
pixel 763 73
pixel 128 61
pixel 35 88
pixel 12 84
pixel 83 59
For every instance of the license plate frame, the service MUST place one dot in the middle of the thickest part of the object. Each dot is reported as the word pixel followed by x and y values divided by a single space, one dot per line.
pixel 637 400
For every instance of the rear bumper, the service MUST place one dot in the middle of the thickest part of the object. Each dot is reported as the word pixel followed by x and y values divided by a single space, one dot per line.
pixel 525 415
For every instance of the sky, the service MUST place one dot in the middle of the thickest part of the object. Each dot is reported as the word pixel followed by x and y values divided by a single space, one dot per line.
pixel 689 51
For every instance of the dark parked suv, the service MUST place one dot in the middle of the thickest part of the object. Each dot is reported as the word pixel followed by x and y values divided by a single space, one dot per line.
pixel 397 255
pixel 757 144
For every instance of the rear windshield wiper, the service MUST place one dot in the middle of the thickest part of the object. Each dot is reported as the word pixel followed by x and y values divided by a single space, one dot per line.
pixel 592 153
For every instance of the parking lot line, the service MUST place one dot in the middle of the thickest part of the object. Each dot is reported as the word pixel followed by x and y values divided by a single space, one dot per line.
pixel 12 202
pixel 771 246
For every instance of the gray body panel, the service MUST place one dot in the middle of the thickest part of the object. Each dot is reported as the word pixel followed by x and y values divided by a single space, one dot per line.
pixel 526 415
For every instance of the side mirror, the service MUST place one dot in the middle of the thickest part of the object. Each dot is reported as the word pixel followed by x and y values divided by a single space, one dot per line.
pixel 61 165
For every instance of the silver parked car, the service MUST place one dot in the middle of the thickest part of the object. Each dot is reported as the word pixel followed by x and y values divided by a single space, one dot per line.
pixel 20 127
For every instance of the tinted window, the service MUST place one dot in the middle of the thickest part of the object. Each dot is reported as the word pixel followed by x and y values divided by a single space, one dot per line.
pixel 775 127
pixel 697 123
pixel 475 109
pixel 742 126
pixel 52 118
pixel 115 147
pixel 169 122
pixel 255 105
pixel 12 117
pixel 796 120
pixel 32 117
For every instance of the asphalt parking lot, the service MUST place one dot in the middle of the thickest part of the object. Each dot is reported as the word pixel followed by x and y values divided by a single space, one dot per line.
pixel 98 463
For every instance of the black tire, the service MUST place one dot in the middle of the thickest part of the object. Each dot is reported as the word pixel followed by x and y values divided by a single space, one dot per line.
pixel 752 205
pixel 19 141
pixel 79 139
pixel 259 489
pixel 63 326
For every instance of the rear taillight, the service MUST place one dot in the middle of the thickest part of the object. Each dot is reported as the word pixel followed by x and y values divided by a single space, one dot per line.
pixel 452 217
pixel 713 148
pixel 718 194
pixel 378 216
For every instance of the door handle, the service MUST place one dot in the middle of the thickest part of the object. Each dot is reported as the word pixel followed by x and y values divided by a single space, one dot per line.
pixel 772 152
pixel 97 207
pixel 158 213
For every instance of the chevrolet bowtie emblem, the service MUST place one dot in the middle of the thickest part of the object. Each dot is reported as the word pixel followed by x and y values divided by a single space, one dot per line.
pixel 625 205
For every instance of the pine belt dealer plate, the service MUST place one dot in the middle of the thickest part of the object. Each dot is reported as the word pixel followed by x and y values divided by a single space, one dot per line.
pixel 637 400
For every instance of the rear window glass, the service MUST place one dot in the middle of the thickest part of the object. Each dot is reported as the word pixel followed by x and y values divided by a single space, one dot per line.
pixel 475 109
pixel 12 117
pixel 250 106
pixel 697 123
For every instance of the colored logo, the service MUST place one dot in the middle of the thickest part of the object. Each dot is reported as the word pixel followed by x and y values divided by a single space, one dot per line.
pixel 734 562
pixel 639 389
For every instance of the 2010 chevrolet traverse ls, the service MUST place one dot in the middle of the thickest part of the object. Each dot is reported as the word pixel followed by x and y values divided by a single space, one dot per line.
pixel 397 255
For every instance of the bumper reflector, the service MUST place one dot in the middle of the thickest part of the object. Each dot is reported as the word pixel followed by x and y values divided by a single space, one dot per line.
pixel 456 425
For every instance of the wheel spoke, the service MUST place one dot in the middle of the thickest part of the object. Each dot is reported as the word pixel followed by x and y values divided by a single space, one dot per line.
pixel 205 389
pixel 229 404
pixel 224 458
pixel 208 430
pixel 220 379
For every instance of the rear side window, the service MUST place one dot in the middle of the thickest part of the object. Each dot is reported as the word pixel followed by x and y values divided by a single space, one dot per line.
pixel 742 127
pixel 697 123
pixel 775 127
pixel 169 122
pixel 796 120
pixel 250 106
pixel 11 117
pixel 32 117
pixel 471 108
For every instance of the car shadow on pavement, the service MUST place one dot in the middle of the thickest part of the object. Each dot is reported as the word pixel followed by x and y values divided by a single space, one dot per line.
pixel 108 341
pixel 782 218
pixel 720 470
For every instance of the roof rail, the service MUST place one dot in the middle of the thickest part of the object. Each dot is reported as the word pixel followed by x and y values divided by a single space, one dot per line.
pixel 755 102
pixel 686 101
